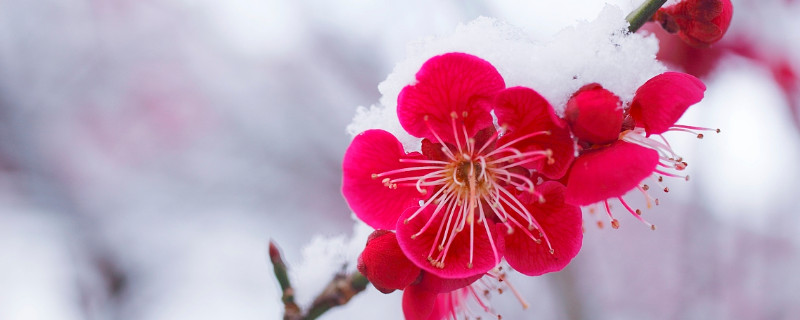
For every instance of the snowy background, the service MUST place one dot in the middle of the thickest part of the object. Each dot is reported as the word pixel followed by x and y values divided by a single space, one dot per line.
pixel 149 149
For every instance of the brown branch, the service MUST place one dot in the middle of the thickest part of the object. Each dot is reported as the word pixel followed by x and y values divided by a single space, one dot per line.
pixel 339 291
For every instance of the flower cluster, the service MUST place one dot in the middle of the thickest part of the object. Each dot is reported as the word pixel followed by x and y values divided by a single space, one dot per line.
pixel 481 191
pixel 615 143
pixel 473 195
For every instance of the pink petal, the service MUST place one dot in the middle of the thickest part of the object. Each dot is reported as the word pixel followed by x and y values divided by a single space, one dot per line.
pixel 609 172
pixel 374 152
pixel 562 224
pixel 385 265
pixel 451 87
pixel 449 305
pixel 456 262
pixel 418 303
pixel 431 282
pixel 662 100
pixel 523 111
pixel 594 114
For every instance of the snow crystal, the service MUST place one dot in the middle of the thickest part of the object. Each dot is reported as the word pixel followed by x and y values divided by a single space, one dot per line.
pixel 323 258
pixel 598 51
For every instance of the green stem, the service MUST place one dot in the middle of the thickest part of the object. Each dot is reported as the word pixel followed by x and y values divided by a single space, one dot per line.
pixel 291 309
pixel 643 13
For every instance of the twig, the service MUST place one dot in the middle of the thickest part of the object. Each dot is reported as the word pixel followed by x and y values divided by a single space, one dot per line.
pixel 643 13
pixel 339 291
pixel 291 310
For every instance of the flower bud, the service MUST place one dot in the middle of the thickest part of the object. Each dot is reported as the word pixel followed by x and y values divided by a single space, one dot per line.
pixel 594 114
pixel 699 23
pixel 385 265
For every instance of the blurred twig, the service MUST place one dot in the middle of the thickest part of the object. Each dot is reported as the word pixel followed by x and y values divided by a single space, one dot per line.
pixel 339 290
pixel 291 310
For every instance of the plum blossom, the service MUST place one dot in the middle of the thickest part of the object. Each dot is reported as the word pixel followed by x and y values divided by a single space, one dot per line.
pixel 618 155
pixel 426 296
pixel 468 198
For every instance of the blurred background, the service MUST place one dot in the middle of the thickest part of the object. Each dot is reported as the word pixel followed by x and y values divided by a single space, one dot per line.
pixel 149 149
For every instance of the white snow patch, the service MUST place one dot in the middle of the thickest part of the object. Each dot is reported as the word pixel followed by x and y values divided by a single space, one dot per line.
pixel 325 256
pixel 598 51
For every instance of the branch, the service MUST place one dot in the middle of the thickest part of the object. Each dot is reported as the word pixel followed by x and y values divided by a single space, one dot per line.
pixel 291 310
pixel 339 291
pixel 643 13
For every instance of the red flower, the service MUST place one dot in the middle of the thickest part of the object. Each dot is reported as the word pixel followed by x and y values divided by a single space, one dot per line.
pixel 699 23
pixel 448 201
pixel 606 170
pixel 425 296
pixel 388 269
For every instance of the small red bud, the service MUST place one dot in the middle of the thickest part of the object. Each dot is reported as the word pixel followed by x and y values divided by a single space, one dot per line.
pixel 594 114
pixel 699 23
pixel 384 263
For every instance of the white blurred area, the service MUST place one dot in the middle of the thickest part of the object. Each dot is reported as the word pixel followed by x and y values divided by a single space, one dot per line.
pixel 149 149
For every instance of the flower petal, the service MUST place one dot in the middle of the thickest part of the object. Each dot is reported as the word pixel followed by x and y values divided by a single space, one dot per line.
pixel 423 248
pixel 418 303
pixel 451 88
pixel 443 307
pixel 375 152
pixel 523 111
pixel 594 114
pixel 662 100
pixel 609 172
pixel 431 282
pixel 450 305
pixel 385 265
pixel 560 222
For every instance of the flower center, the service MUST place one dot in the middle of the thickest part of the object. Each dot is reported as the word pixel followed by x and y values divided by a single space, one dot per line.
pixel 470 178
pixel 474 187
pixel 465 171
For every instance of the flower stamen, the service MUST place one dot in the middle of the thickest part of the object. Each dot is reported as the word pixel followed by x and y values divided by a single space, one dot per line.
pixel 636 213
pixel 614 221
pixel 445 149
pixel 530 135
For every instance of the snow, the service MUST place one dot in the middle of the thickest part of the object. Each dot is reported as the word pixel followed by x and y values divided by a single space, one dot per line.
pixel 324 257
pixel 591 51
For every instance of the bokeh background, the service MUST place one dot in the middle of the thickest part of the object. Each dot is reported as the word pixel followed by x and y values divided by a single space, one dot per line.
pixel 149 149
